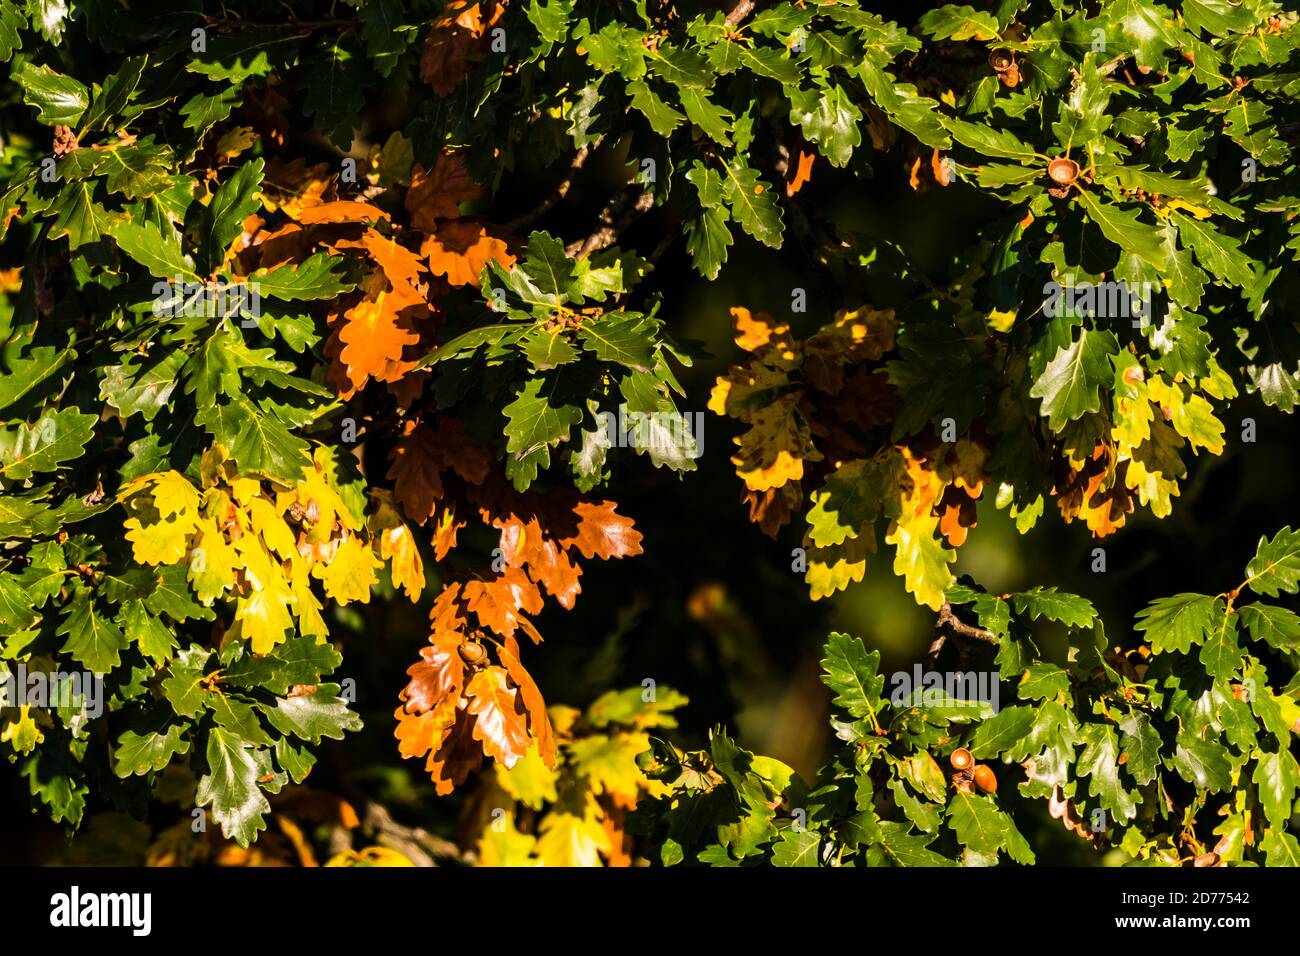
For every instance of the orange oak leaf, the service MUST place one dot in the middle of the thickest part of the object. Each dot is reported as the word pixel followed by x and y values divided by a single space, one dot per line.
pixel 438 193
pixel 430 699
pixel 548 564
pixel 399 264
pixel 499 718
pixel 374 333
pixel 446 526
pixel 343 210
pixel 602 532
pixel 499 601
pixel 755 331
pixel 460 249
pixel 414 471
pixel 448 614
pixel 437 676
pixel 539 722
pixel 802 172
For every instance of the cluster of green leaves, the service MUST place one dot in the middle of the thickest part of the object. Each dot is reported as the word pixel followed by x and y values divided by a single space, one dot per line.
pixel 561 361
pixel 117 370
pixel 1177 121
pixel 1168 753
pixel 132 348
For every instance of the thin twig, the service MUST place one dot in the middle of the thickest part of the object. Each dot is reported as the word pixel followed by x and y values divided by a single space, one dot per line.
pixel 415 843
pixel 614 218
pixel 741 10
pixel 954 625
pixel 560 191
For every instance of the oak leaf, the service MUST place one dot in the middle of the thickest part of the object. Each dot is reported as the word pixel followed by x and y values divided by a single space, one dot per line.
pixel 460 249
pixel 500 602
pixel 500 723
pixel 343 210
pixel 438 193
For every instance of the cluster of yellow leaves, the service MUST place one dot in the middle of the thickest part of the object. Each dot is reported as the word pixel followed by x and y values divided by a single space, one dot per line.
pixel 809 405
pixel 571 812
pixel 783 390
pixel 262 545
pixel 800 400
pixel 1154 418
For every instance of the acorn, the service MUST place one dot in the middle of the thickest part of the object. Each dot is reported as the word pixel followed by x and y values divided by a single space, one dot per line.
pixel 1207 859
pixel 985 779
pixel 1063 171
pixel 961 759
pixel 1001 59
pixel 472 653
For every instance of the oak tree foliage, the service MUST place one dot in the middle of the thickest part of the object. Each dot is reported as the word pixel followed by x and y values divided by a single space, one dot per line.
pixel 268 354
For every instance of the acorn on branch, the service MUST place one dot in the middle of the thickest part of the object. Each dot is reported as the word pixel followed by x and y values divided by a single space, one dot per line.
pixel 985 779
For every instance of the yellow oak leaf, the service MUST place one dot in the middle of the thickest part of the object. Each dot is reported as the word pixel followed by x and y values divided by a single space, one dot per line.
pixel 921 559
pixel 212 564
pixel 263 617
pixel 501 844
pixel 269 523
pixel 21 732
pixel 1191 415
pixel 351 573
pixel 569 840
pixel 396 543
pixel 773 451
pixel 162 520
pixel 307 609
pixel 834 568
pixel 609 764
pixel 529 781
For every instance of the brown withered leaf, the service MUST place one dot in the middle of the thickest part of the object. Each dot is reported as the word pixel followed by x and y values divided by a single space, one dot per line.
pixel 415 472
pixel 438 193
pixel 460 755
pixel 453 41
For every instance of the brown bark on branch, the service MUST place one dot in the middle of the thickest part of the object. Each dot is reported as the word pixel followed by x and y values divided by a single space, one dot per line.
pixel 614 218
pixel 549 203
pixel 741 10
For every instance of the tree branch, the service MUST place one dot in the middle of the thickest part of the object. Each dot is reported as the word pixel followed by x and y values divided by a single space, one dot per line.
pixel 614 218
pixel 949 625
pixel 741 10
pixel 415 843
pixel 954 625
pixel 562 190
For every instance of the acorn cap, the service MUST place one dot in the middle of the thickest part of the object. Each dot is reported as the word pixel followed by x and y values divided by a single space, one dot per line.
pixel 1063 171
